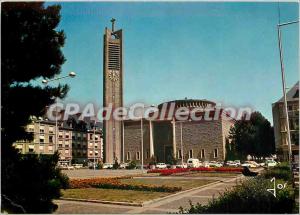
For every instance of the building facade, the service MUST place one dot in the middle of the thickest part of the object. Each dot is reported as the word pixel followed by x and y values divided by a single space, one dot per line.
pixel 112 91
pixel 75 140
pixel 202 139
pixel 280 127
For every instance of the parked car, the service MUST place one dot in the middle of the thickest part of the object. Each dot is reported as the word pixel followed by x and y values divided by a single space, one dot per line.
pixel 108 166
pixel 215 164
pixel 193 163
pixel 78 166
pixel 250 164
pixel 65 167
pixel 237 162
pixel 184 165
pixel 271 163
pixel 204 164
pixel 161 166
pixel 123 165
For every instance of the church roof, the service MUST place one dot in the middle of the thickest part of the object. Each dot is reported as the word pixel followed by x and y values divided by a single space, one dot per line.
pixel 292 94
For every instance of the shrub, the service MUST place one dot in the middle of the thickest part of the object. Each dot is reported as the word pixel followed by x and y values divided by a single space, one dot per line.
pixel 116 164
pixel 282 171
pixel 132 165
pixel 249 197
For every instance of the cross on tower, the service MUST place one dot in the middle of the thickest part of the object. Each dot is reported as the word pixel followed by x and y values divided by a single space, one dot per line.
pixel 113 24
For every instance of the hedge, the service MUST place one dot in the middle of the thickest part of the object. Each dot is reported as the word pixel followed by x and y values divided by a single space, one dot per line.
pixel 165 172
pixel 114 183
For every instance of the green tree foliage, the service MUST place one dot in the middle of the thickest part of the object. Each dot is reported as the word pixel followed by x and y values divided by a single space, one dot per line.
pixel 30 49
pixel 253 137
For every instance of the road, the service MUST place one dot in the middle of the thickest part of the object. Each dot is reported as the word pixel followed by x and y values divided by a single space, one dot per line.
pixel 164 205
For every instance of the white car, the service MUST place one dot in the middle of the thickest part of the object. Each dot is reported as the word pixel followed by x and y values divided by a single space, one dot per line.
pixel 271 163
pixel 184 165
pixel 77 166
pixel 250 164
pixel 107 166
pixel 193 163
pixel 215 164
pixel 124 165
pixel 161 166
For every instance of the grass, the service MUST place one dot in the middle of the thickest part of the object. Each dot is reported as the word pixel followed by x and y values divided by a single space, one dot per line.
pixel 184 183
pixel 132 195
pixel 112 195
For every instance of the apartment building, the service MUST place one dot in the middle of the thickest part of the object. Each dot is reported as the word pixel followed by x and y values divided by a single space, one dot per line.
pixel 74 140
pixel 280 126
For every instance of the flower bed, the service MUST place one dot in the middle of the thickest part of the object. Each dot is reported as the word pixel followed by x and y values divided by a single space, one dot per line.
pixel 114 183
pixel 165 172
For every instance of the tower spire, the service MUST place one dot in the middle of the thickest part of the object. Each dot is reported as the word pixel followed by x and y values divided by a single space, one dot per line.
pixel 113 24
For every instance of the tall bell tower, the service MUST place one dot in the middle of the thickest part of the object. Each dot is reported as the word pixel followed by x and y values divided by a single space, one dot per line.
pixel 112 91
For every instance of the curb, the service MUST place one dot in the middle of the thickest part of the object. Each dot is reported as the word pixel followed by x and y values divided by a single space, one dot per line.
pixel 104 202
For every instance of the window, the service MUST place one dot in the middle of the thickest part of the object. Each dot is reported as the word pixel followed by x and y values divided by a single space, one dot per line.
pixel 31 128
pixel 31 148
pixel 67 136
pixel 128 156
pixel 67 151
pixel 215 153
pixel 202 153
pixel 41 140
pixel 50 139
pixel 191 153
pixel 50 148
pixel 138 155
pixel 60 145
pixel 290 107
pixel 179 154
pixel 42 130
pixel 51 130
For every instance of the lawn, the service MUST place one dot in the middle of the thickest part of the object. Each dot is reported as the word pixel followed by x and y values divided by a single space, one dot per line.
pixel 112 195
pixel 174 182
pixel 132 195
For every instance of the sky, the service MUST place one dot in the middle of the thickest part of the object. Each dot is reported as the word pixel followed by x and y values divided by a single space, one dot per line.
pixel 225 52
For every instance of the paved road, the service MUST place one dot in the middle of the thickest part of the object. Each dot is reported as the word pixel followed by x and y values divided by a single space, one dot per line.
pixel 169 204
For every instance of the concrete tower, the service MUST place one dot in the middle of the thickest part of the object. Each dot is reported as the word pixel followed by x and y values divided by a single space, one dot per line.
pixel 112 91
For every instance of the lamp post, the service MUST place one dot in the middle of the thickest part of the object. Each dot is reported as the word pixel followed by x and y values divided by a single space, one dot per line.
pixel 284 87
pixel 46 81
pixel 94 145
pixel 142 143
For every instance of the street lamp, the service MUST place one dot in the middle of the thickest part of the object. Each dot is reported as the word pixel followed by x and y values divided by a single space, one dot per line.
pixel 94 145
pixel 284 87
pixel 142 143
pixel 46 81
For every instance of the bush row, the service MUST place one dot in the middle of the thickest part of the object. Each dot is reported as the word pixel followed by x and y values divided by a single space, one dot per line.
pixel 115 183
pixel 165 172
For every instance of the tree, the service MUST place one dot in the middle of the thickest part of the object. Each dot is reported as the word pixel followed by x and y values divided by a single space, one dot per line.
pixel 31 49
pixel 254 137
